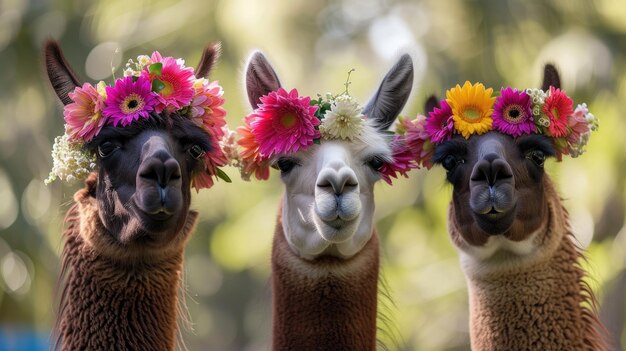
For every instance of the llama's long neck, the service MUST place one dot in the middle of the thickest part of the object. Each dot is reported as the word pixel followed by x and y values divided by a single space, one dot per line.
pixel 327 304
pixel 111 305
pixel 538 305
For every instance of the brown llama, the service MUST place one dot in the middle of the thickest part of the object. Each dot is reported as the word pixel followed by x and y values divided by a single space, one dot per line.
pixel 123 244
pixel 325 253
pixel 527 290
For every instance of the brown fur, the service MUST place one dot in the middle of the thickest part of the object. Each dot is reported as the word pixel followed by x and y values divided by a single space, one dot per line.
pixel 111 301
pixel 329 304
pixel 537 303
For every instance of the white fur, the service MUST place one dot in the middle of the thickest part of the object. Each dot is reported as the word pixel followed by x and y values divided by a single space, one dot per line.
pixel 316 220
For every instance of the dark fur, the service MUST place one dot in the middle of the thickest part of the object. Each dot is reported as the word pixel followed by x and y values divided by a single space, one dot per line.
pixel 210 56
pixel 61 75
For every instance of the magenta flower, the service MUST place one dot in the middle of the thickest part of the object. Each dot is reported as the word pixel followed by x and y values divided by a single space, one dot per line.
pixel 440 125
pixel 129 100
pixel 419 141
pixel 284 123
pixel 558 108
pixel 84 115
pixel 403 160
pixel 178 80
pixel 512 113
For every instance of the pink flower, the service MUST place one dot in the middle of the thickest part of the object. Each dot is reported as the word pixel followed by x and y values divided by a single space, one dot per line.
pixel 206 107
pixel 440 125
pixel 418 141
pixel 178 80
pixel 212 160
pixel 129 100
pixel 284 123
pixel 577 123
pixel 558 107
pixel 512 113
pixel 403 160
pixel 84 115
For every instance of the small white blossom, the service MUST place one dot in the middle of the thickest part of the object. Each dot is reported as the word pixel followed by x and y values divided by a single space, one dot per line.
pixel 344 120
pixel 143 60
pixel 538 98
pixel 229 147
pixel 70 161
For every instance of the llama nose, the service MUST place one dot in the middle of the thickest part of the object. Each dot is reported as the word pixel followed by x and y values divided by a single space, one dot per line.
pixel 161 168
pixel 492 169
pixel 339 179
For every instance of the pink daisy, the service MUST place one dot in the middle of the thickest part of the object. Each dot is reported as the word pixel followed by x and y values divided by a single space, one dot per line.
pixel 212 160
pixel 178 80
pixel 512 113
pixel 440 125
pixel 558 107
pixel 84 115
pixel 129 100
pixel 284 123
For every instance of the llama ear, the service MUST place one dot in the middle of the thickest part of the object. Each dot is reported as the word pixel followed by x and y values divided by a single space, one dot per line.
pixel 261 78
pixel 550 77
pixel 431 103
pixel 209 58
pixel 392 94
pixel 61 75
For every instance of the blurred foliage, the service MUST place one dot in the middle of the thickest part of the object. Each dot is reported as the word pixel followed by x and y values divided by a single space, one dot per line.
pixel 312 44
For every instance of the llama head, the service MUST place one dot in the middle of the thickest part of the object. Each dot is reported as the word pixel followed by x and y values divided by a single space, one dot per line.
pixel 145 166
pixel 502 198
pixel 328 204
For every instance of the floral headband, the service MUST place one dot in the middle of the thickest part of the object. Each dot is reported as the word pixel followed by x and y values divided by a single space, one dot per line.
pixel 472 109
pixel 285 123
pixel 153 84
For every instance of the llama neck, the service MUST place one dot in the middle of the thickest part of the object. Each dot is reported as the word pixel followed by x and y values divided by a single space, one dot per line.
pixel 543 305
pixel 329 304
pixel 111 304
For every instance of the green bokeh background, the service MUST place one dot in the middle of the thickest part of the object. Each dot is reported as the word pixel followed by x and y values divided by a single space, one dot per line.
pixel 312 45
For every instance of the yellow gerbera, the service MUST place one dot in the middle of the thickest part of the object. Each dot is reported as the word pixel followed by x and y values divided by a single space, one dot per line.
pixel 472 106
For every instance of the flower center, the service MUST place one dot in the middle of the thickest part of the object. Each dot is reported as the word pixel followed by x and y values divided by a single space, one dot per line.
pixel 168 89
pixel 471 114
pixel 514 114
pixel 555 112
pixel 288 120
pixel 132 103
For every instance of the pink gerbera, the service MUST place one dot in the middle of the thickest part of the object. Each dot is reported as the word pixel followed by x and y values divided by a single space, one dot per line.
pixel 440 125
pixel 284 123
pixel 206 107
pixel 177 79
pixel 512 113
pixel 129 100
pixel 558 107
pixel 84 115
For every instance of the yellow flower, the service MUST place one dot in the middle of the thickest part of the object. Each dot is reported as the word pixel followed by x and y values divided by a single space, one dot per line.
pixel 472 106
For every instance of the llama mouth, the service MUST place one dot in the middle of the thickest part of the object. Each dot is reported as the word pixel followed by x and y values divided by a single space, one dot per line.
pixel 495 222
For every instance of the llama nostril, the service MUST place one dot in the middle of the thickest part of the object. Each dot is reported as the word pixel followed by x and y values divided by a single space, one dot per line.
pixel 160 172
pixel 491 169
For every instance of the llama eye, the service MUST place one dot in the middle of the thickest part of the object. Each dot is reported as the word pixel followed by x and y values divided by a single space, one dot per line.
pixel 285 165
pixel 537 156
pixel 196 152
pixel 450 162
pixel 376 163
pixel 106 149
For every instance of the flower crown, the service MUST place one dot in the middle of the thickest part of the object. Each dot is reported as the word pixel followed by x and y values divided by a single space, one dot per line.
pixel 151 85
pixel 472 109
pixel 285 123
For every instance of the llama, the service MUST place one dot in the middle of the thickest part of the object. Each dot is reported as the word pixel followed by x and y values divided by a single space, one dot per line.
pixel 522 264
pixel 123 243
pixel 325 253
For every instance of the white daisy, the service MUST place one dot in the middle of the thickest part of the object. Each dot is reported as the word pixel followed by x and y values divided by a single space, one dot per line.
pixel 344 120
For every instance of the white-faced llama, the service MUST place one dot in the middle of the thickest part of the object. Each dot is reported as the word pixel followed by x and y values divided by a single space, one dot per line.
pixel 325 254
pixel 526 286
pixel 148 137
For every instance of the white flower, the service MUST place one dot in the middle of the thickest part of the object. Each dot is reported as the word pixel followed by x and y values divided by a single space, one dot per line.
pixel 538 98
pixel 344 120
pixel 230 147
pixel 143 60
pixel 70 161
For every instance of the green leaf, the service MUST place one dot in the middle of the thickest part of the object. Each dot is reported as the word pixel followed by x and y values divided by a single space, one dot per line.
pixel 155 69
pixel 317 141
pixel 157 85
pixel 223 176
